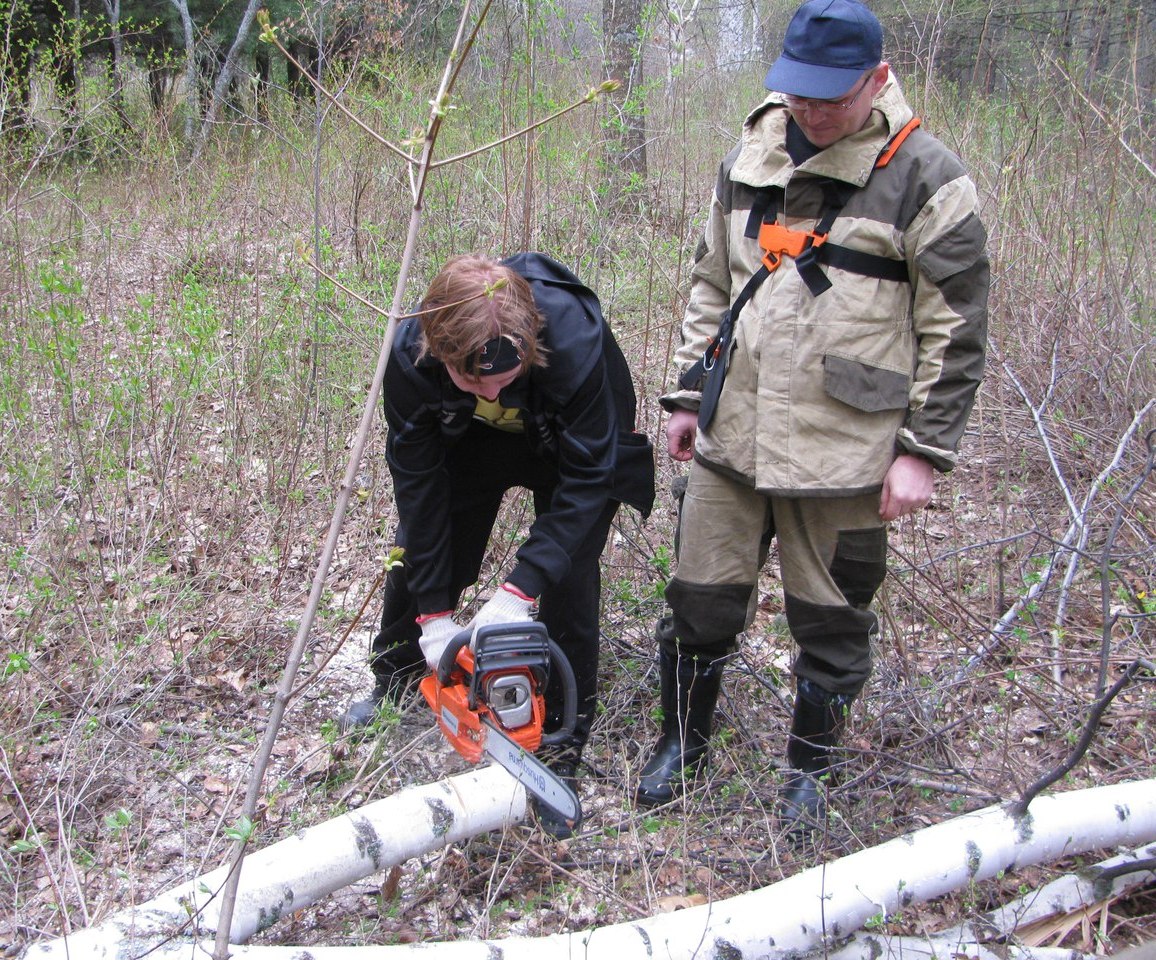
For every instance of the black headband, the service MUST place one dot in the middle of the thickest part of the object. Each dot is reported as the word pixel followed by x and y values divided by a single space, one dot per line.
pixel 500 355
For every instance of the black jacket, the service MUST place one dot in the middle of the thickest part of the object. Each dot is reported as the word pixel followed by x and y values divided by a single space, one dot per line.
pixel 578 412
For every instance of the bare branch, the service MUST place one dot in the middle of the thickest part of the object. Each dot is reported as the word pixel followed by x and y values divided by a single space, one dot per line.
pixel 588 98
pixel 1108 621
pixel 1107 121
pixel 269 35
pixel 1020 807
pixel 1074 541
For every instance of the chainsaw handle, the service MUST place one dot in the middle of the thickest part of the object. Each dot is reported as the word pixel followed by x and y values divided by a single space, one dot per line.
pixel 449 658
pixel 569 696
pixel 448 663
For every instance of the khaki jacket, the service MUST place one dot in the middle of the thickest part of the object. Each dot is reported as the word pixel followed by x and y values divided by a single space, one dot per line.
pixel 823 392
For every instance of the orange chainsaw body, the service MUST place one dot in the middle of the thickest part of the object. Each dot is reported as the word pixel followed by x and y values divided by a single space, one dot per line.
pixel 461 722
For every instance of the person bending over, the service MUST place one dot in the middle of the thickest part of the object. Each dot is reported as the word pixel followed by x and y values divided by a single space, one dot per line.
pixel 506 377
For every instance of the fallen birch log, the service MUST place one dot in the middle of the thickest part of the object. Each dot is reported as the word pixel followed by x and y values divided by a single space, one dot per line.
pixel 819 908
pixel 301 869
pixel 1063 896
pixel 995 935
pixel 870 946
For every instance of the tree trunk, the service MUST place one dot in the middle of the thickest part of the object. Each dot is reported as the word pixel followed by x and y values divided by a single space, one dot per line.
pixel 112 8
pixel 225 77
pixel 191 110
pixel 1146 58
pixel 625 150
pixel 68 64
pixel 736 34
pixel 983 69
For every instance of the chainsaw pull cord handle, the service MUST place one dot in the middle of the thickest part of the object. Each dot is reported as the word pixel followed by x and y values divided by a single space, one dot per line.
pixel 569 696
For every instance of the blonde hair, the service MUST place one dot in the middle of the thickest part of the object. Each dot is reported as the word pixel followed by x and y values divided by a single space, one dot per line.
pixel 472 300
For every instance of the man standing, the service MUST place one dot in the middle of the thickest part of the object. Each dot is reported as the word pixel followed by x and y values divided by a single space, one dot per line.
pixel 845 252
pixel 507 377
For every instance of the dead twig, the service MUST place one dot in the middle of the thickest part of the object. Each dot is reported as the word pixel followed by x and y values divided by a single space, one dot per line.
pixel 1108 619
pixel 1020 807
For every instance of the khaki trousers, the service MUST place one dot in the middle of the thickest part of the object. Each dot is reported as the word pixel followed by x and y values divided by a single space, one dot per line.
pixel 832 555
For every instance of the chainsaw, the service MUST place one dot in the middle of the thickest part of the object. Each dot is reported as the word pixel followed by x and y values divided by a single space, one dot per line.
pixel 488 697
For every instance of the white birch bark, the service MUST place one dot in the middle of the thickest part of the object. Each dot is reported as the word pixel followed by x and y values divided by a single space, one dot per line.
pixel 872 947
pixel 192 108
pixel 112 8
pixel 225 77
pixel 817 909
pixel 302 869
pixel 982 938
pixel 736 27
pixel 1062 896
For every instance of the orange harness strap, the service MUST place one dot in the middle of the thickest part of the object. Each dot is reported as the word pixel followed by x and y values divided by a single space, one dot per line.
pixel 897 142
pixel 777 241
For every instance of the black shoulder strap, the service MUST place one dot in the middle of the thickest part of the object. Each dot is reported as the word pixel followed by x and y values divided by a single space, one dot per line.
pixel 767 206
pixel 836 195
pixel 692 376
pixel 864 264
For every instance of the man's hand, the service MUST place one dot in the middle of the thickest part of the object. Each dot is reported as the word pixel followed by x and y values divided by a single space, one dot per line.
pixel 907 487
pixel 437 630
pixel 681 429
pixel 507 605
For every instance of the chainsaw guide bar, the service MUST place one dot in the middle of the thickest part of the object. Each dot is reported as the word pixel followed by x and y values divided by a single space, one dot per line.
pixel 531 773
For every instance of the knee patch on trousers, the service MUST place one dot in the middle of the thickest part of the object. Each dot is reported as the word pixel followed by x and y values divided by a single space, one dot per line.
pixel 834 643
pixel 669 642
pixel 707 616
pixel 860 564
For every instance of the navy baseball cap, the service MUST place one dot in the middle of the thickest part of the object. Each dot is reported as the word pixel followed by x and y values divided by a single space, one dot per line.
pixel 829 45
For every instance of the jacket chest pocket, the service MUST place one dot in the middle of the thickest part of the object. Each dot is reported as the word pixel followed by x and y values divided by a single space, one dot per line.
pixel 864 386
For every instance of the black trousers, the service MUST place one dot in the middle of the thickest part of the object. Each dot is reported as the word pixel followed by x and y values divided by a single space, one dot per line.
pixel 483 466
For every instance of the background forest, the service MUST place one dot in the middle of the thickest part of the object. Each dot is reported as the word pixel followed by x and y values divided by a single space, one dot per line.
pixel 181 389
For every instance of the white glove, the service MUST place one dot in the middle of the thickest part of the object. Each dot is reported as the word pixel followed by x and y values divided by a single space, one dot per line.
pixel 507 605
pixel 436 634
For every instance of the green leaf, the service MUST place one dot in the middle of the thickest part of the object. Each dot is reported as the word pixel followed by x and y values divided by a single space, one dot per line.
pixel 242 830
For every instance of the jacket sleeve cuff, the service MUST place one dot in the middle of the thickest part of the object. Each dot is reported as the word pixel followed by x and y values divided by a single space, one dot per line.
pixel 433 602
pixel 943 460
pixel 681 400
pixel 517 592
pixel 527 580
pixel 424 618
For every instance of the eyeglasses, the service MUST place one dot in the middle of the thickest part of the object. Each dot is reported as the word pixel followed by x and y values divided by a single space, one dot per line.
pixel 828 106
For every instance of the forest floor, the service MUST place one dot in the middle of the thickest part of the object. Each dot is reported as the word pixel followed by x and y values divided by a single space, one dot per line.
pixel 178 398
pixel 155 779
